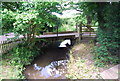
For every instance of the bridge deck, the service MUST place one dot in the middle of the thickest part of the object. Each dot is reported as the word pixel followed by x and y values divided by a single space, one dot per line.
pixel 72 34
pixel 59 35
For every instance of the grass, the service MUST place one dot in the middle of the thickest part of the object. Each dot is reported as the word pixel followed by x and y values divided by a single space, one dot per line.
pixel 9 71
pixel 81 65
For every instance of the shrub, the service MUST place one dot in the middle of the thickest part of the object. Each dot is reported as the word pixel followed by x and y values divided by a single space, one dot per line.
pixel 23 55
pixel 102 56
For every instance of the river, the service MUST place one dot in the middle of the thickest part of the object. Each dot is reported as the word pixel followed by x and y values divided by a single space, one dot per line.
pixel 49 65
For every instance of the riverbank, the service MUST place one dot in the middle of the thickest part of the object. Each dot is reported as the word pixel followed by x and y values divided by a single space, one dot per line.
pixel 14 62
pixel 50 53
pixel 9 71
pixel 80 66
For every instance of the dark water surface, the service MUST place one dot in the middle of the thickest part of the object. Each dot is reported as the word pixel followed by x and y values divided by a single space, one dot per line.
pixel 50 65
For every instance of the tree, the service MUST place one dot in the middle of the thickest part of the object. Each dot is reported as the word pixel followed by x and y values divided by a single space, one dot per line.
pixel 8 18
pixel 108 30
pixel 33 17
pixel 108 27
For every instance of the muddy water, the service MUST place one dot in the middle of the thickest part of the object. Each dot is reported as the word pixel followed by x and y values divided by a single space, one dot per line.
pixel 41 67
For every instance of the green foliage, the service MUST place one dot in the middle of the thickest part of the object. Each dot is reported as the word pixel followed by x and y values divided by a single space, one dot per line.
pixel 86 10
pixel 11 71
pixel 28 19
pixel 35 18
pixel 12 6
pixel 108 50
pixel 89 9
pixel 68 24
pixel 23 15
pixel 102 57
pixel 61 29
pixel 25 20
pixel 8 18
pixel 108 36
pixel 23 55
pixel 81 18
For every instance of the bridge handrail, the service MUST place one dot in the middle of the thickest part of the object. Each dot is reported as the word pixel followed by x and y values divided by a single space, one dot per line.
pixel 47 33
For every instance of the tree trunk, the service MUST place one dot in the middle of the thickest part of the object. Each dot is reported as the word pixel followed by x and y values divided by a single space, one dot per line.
pixel 100 15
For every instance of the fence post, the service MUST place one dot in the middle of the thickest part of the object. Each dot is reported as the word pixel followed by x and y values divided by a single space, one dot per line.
pixel 0 48
pixel 80 32
pixel 76 27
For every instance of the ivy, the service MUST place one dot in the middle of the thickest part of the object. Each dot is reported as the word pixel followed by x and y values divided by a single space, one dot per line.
pixel 108 36
pixel 108 33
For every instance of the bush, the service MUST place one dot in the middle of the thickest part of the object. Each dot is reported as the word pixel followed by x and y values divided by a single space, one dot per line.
pixel 16 60
pixel 107 51
pixel 23 55
pixel 102 56
pixel 108 35
pixel 8 18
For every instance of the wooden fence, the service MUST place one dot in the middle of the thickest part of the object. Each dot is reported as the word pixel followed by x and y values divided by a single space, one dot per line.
pixel 6 46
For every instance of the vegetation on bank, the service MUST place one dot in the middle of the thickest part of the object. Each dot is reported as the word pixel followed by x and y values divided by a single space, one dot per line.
pixel 15 61
pixel 81 65
pixel 108 34
pixel 27 19
pixel 107 47
pixel 9 70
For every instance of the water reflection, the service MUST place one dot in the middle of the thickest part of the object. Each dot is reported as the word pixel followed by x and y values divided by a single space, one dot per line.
pixel 53 69
pixel 51 65
pixel 65 43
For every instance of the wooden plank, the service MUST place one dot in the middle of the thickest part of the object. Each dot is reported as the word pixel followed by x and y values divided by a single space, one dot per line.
pixel 111 73
pixel 48 33
pixel 65 34
pixel 55 35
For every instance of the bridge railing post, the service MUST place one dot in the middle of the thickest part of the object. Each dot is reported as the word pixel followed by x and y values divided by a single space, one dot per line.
pixel 76 27
pixel 79 32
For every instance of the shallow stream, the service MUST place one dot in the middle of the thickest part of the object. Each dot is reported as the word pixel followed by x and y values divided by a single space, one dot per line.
pixel 51 64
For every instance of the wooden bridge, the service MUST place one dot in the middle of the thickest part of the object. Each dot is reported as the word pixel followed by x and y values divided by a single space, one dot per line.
pixel 49 35
pixel 6 44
